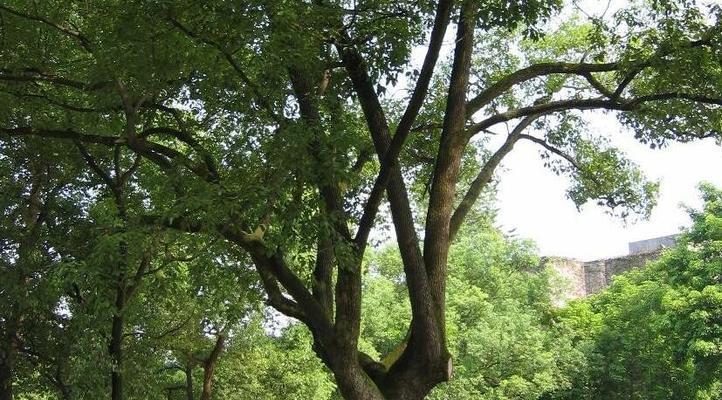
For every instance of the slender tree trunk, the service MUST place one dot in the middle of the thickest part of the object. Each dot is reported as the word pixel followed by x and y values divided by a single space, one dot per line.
pixel 189 379
pixel 64 389
pixel 6 375
pixel 209 367
pixel 116 344
pixel 116 333
pixel 65 392
pixel 9 351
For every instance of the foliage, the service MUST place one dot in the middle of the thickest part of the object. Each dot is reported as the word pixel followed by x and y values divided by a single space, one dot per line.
pixel 209 155
pixel 504 343
pixel 655 333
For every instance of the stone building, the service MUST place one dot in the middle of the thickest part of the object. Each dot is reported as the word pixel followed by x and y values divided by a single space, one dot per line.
pixel 582 278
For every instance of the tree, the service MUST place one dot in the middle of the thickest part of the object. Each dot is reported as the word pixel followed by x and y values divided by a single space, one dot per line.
pixel 256 122
pixel 499 318
pixel 35 199
pixel 655 333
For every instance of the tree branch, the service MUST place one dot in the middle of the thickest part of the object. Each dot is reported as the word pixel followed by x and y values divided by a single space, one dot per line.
pixel 187 138
pixel 66 106
pixel 583 69
pixel 262 100
pixel 35 75
pixel 558 152
pixel 323 272
pixel 443 186
pixel 66 134
pixel 588 104
pixel 485 175
pixel 598 85
pixel 271 265
pixel 408 241
pixel 531 72
pixel 84 41
pixel 388 161
pixel 94 166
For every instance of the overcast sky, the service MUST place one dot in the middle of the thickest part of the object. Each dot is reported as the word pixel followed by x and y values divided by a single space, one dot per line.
pixel 532 199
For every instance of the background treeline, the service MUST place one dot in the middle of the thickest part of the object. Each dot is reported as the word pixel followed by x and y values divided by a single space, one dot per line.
pixel 93 293
pixel 171 171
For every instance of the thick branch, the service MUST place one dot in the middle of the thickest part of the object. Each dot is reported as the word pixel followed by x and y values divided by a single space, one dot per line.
pixel 209 366
pixel 84 42
pixel 408 241
pixel 66 134
pixel 441 21
pixel 323 273
pixel 485 176
pixel 446 169
pixel 273 264
pixel 212 174
pixel 531 72
pixel 588 104
pixel 674 96
pixel 66 106
pixel 34 75
pixel 139 274
pixel 583 69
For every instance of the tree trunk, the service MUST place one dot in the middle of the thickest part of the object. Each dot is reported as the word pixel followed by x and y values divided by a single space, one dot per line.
pixel 116 344
pixel 353 382
pixel 6 376
pixel 209 367
pixel 189 380
pixel 64 390
pixel 8 352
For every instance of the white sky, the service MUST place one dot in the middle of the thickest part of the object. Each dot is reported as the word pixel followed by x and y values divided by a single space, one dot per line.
pixel 533 204
pixel 532 200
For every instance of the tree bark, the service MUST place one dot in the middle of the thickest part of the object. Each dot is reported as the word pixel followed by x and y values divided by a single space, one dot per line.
pixel 115 349
pixel 6 370
pixel 209 367
pixel 352 380
pixel 189 379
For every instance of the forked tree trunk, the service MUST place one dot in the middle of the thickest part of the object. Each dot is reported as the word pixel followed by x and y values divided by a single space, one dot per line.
pixel 209 367
pixel 413 385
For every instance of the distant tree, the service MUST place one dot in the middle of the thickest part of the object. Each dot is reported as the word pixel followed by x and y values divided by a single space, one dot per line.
pixel 257 121
pixel 498 317
pixel 656 332
pixel 34 222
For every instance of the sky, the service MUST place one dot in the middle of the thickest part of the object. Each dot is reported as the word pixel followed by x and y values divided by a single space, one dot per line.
pixel 532 200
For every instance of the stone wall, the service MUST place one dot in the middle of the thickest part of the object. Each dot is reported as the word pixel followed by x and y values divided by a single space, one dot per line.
pixel 571 284
pixel 583 278
pixel 651 245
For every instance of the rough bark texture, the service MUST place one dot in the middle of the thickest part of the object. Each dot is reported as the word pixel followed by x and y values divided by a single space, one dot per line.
pixel 446 171
pixel 209 367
